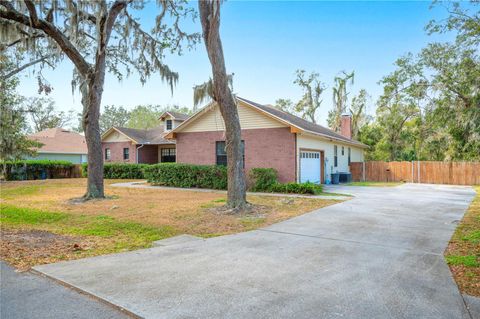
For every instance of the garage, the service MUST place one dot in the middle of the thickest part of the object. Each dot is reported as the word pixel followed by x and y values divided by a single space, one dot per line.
pixel 311 166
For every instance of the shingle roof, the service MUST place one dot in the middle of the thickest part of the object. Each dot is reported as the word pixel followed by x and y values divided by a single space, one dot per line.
pixel 148 136
pixel 59 140
pixel 301 123
pixel 177 115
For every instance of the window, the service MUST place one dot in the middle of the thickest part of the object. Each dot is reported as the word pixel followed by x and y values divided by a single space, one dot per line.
pixel 349 155
pixel 335 156
pixel 107 153
pixel 221 153
pixel 343 151
pixel 126 153
pixel 169 125
pixel 168 155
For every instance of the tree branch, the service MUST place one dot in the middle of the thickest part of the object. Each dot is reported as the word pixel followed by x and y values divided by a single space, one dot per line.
pixel 39 24
pixel 27 65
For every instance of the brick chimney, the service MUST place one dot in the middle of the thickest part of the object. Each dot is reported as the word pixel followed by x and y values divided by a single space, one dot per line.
pixel 346 126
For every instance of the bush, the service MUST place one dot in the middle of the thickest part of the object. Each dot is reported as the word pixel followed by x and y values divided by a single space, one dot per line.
pixel 296 188
pixel 262 179
pixel 36 169
pixel 120 170
pixel 187 175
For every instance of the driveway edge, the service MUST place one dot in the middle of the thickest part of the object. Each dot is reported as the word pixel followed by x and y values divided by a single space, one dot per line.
pixel 87 293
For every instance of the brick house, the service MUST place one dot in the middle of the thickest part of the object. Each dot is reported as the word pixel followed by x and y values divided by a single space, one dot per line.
pixel 127 145
pixel 299 150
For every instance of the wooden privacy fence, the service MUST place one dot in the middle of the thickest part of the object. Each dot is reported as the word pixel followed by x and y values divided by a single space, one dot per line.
pixel 456 173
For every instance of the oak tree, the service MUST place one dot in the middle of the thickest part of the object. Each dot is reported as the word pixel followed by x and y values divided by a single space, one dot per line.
pixel 222 95
pixel 96 36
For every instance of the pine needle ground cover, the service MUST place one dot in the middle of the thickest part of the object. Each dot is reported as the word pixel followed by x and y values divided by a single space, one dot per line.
pixel 463 252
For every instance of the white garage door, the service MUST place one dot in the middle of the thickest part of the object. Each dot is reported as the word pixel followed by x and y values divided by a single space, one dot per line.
pixel 310 167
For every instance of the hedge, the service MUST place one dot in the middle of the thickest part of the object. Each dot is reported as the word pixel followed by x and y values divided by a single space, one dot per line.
pixel 262 179
pixel 215 177
pixel 36 169
pixel 266 180
pixel 297 188
pixel 187 175
pixel 120 170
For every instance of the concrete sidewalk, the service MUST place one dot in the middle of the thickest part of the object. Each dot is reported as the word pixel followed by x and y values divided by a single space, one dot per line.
pixel 144 184
pixel 379 255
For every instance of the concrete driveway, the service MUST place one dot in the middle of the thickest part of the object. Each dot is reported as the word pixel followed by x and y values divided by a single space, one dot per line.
pixel 379 255
pixel 26 296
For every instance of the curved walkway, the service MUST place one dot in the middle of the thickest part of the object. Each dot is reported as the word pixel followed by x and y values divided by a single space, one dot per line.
pixel 379 255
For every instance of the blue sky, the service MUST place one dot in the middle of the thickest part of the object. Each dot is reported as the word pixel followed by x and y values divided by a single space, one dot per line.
pixel 265 42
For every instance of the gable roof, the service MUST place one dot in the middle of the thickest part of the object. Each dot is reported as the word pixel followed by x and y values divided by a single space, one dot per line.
pixel 281 116
pixel 59 140
pixel 176 115
pixel 142 136
pixel 302 123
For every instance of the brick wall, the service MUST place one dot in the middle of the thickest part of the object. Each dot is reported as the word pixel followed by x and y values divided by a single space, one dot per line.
pixel 271 147
pixel 116 152
pixel 148 154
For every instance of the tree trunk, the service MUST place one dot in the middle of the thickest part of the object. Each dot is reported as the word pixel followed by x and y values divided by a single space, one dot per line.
pixel 210 19
pixel 91 100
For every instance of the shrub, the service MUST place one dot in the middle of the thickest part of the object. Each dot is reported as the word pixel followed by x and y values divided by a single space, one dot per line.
pixel 187 175
pixel 120 170
pixel 36 169
pixel 296 188
pixel 262 179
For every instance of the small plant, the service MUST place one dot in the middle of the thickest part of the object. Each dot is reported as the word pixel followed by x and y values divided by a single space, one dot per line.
pixel 263 179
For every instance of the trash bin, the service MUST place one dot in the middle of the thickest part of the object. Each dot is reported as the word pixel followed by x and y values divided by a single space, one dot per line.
pixel 43 174
pixel 345 177
pixel 335 178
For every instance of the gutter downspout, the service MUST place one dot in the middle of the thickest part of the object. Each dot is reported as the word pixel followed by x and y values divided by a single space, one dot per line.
pixel 136 157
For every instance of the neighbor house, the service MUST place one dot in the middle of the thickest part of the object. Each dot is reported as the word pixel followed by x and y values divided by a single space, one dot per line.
pixel 61 144
pixel 298 149
pixel 148 146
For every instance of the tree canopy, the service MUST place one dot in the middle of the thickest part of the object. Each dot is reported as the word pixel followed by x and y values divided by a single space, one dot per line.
pixel 97 37
pixel 311 100
pixel 14 143
pixel 430 106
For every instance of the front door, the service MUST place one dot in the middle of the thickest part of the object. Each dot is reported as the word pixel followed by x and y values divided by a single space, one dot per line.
pixel 310 167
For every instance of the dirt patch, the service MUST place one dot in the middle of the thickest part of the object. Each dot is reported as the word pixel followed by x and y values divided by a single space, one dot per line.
pixel 250 211
pixel 25 248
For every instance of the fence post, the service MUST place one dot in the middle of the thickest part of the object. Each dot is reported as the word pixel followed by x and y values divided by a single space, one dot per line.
pixel 412 173
pixel 418 163
pixel 363 171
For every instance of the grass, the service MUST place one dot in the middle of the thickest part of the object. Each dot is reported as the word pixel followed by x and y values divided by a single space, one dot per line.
pixel 101 226
pixel 375 184
pixel 467 261
pixel 40 223
pixel 463 252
